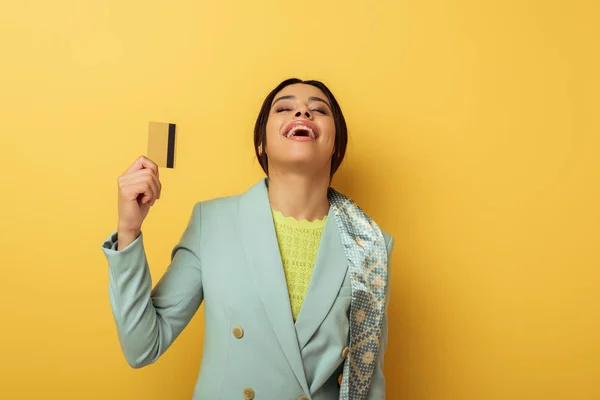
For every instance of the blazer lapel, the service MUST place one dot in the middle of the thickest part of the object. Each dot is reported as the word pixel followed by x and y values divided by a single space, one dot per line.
pixel 262 251
pixel 327 278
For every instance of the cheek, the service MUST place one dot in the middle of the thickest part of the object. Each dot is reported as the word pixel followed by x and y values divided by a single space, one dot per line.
pixel 273 126
pixel 270 129
pixel 330 129
pixel 271 135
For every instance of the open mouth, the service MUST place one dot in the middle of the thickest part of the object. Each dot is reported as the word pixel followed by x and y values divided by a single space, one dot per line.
pixel 301 130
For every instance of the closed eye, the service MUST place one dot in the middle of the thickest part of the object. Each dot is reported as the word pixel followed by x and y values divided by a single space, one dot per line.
pixel 283 109
pixel 321 111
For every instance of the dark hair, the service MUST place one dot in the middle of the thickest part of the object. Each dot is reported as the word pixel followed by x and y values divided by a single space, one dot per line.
pixel 260 128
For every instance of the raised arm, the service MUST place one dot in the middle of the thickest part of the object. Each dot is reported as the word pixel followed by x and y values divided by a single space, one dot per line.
pixel 148 319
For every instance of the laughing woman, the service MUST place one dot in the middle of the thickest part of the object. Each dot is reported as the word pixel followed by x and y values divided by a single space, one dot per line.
pixel 294 276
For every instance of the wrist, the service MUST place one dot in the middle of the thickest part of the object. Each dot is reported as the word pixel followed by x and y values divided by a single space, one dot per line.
pixel 127 234
pixel 128 229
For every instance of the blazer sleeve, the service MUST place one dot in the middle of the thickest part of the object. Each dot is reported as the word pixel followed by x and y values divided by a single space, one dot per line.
pixel 378 383
pixel 148 319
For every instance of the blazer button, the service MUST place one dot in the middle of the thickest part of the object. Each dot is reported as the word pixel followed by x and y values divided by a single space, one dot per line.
pixel 248 394
pixel 303 398
pixel 238 332
pixel 345 352
pixel 340 379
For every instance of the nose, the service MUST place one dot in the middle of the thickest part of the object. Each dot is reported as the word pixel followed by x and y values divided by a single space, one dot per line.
pixel 303 111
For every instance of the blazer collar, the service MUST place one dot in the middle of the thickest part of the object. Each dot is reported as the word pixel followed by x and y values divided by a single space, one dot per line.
pixel 262 251
pixel 264 258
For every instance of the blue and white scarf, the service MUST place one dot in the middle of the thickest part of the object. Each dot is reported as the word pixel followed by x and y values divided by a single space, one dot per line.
pixel 366 252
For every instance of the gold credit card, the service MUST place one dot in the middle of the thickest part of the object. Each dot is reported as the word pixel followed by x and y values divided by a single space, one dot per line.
pixel 161 144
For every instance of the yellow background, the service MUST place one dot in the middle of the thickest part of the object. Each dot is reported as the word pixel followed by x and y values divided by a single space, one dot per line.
pixel 474 141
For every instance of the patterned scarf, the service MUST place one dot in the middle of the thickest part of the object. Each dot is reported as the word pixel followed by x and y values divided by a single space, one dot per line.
pixel 366 252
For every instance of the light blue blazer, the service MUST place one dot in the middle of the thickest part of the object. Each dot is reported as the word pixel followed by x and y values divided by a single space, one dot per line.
pixel 229 259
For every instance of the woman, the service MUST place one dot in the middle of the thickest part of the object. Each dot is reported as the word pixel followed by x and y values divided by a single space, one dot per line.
pixel 293 276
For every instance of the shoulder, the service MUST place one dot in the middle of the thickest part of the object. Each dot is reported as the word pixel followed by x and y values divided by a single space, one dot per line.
pixel 220 211
pixel 215 210
pixel 218 204
pixel 212 214
pixel 229 205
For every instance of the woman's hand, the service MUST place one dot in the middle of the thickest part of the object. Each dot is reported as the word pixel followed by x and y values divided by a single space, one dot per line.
pixel 139 188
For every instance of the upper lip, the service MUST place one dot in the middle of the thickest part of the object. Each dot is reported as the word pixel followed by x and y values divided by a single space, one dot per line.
pixel 306 123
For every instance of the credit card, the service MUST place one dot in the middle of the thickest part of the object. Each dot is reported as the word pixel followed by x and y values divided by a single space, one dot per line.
pixel 161 144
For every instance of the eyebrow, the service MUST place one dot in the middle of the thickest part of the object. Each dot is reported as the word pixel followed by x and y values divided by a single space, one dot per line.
pixel 312 98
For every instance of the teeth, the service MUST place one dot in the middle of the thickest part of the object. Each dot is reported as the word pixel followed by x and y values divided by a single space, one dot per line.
pixel 301 128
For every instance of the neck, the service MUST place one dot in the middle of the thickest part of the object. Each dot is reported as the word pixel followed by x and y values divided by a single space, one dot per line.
pixel 299 196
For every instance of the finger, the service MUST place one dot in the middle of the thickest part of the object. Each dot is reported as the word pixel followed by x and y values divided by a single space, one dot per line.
pixel 152 182
pixel 156 185
pixel 149 164
pixel 141 188
pixel 137 182
pixel 136 176
pixel 140 163
pixel 155 189
pixel 159 186
pixel 146 176
pixel 136 165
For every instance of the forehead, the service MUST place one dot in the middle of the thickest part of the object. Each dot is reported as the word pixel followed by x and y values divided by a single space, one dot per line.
pixel 302 91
